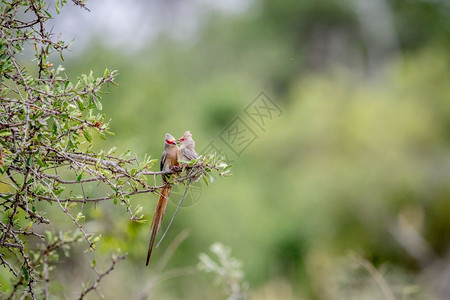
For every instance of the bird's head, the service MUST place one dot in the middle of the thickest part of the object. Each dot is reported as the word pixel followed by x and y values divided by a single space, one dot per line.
pixel 170 140
pixel 186 136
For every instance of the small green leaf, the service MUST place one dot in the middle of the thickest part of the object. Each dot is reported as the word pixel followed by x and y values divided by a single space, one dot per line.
pixel 97 238
pixel 87 135
pixel 47 13
pixel 205 180
pixel 112 150
pixel 102 135
pixel 80 216
pixel 28 226
pixel 25 273
pixel 138 209
pixel 5 133
pixel 39 162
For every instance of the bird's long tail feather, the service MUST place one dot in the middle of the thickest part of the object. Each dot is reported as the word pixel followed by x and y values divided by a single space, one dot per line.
pixel 157 218
pixel 174 215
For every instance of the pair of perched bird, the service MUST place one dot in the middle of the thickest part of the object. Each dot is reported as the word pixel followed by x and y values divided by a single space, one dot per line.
pixel 171 157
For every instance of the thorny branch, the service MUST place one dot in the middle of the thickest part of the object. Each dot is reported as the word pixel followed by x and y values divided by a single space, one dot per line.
pixel 47 126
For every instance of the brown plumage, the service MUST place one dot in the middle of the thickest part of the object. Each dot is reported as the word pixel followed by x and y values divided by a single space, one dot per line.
pixel 169 159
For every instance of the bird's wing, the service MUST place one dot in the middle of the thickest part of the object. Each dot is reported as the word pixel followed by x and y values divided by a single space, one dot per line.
pixel 189 154
pixel 163 159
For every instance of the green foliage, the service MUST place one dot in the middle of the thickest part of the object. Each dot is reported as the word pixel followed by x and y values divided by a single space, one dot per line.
pixel 48 126
pixel 356 163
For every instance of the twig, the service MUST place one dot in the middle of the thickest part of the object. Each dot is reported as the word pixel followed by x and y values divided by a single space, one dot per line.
pixel 376 275
pixel 100 276
pixel 5 263
pixel 46 278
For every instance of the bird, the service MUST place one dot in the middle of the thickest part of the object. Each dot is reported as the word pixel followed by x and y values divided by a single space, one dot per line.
pixel 186 152
pixel 169 160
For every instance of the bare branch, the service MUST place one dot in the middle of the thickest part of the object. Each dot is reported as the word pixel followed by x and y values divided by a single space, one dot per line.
pixel 101 276
pixel 47 123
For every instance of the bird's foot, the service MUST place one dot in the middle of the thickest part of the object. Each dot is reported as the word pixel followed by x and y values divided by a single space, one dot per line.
pixel 176 168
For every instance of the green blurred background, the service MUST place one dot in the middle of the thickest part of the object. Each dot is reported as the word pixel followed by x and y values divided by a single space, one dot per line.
pixel 354 175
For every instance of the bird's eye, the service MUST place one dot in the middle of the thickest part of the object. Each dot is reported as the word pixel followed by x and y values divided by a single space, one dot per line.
pixel 182 140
